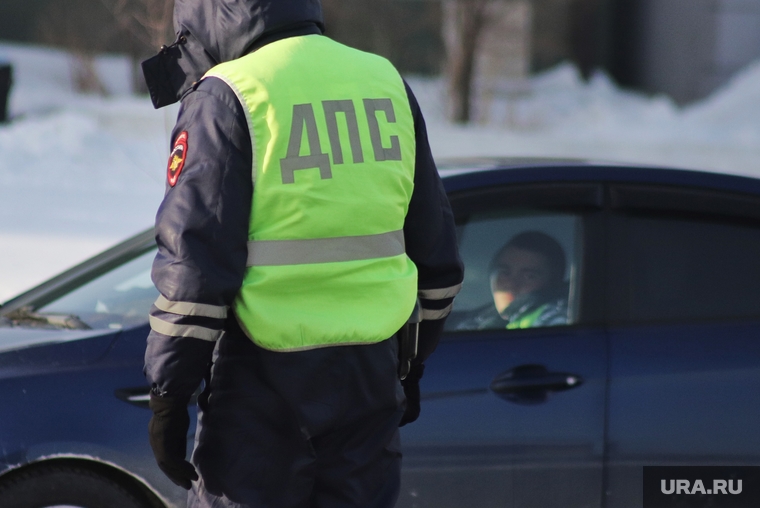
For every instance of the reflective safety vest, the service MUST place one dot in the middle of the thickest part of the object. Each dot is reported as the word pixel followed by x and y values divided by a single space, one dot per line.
pixel 528 320
pixel 333 170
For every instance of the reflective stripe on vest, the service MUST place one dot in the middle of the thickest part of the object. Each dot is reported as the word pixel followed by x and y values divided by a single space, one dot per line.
pixel 325 250
pixel 334 150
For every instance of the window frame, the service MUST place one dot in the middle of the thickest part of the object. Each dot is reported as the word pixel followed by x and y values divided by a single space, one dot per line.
pixel 583 199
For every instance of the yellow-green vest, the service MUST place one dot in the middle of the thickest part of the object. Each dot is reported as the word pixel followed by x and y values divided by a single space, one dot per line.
pixel 333 170
pixel 528 320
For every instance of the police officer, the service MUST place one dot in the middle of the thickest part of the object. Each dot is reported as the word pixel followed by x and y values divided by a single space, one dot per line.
pixel 302 220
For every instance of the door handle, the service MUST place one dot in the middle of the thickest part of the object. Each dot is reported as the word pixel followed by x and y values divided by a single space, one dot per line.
pixel 531 384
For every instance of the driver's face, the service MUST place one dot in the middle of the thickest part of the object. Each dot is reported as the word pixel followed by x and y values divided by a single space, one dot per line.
pixel 517 272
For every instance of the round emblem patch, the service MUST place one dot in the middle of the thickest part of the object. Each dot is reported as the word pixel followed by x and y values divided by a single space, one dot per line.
pixel 177 159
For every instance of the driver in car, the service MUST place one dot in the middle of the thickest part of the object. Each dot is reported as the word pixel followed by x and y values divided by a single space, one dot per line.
pixel 527 285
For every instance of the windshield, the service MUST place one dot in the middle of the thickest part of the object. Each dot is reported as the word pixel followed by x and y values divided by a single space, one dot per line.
pixel 117 299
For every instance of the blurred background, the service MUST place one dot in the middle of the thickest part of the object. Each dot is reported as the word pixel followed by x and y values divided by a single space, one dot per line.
pixel 657 82
pixel 683 48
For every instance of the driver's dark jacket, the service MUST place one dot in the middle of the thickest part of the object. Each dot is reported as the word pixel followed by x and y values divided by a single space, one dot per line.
pixel 202 233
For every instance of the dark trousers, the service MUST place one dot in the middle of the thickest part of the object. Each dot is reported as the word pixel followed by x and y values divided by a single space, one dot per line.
pixel 308 429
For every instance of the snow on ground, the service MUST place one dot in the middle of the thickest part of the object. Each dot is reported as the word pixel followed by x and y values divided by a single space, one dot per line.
pixel 79 173
pixel 557 114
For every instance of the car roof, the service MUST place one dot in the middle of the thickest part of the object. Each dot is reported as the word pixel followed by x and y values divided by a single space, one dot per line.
pixel 466 173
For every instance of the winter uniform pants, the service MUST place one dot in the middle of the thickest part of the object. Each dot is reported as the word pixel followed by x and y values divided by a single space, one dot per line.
pixel 308 429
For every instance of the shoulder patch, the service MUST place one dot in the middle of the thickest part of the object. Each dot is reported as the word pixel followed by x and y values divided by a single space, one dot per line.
pixel 177 159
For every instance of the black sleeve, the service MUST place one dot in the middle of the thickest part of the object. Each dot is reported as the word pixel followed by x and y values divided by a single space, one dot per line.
pixel 202 233
pixel 430 237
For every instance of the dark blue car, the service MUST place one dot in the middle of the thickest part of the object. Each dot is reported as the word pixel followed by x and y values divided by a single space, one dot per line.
pixel 645 350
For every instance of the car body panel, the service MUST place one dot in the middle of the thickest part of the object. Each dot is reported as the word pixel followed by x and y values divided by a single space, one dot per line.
pixel 76 384
pixel 683 395
pixel 472 447
pixel 16 339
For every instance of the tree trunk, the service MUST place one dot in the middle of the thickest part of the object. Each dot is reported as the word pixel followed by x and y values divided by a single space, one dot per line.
pixel 463 22
pixel 85 75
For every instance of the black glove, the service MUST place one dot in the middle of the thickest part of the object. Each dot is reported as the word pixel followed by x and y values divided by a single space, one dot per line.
pixel 411 386
pixel 168 437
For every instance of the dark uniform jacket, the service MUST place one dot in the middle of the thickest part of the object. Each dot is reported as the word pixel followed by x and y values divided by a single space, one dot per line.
pixel 202 224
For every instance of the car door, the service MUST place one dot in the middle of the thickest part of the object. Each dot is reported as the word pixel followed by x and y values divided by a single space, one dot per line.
pixel 685 339
pixel 515 417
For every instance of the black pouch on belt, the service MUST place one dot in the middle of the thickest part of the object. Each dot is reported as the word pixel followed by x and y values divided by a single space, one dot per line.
pixel 407 340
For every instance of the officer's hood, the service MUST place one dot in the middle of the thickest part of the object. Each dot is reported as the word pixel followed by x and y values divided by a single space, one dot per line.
pixel 213 32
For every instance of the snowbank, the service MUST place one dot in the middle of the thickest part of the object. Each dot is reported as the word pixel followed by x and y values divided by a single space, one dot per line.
pixel 558 114
pixel 79 173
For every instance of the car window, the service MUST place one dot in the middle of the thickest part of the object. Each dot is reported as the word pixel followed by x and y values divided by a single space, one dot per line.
pixel 521 271
pixel 684 269
pixel 118 299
